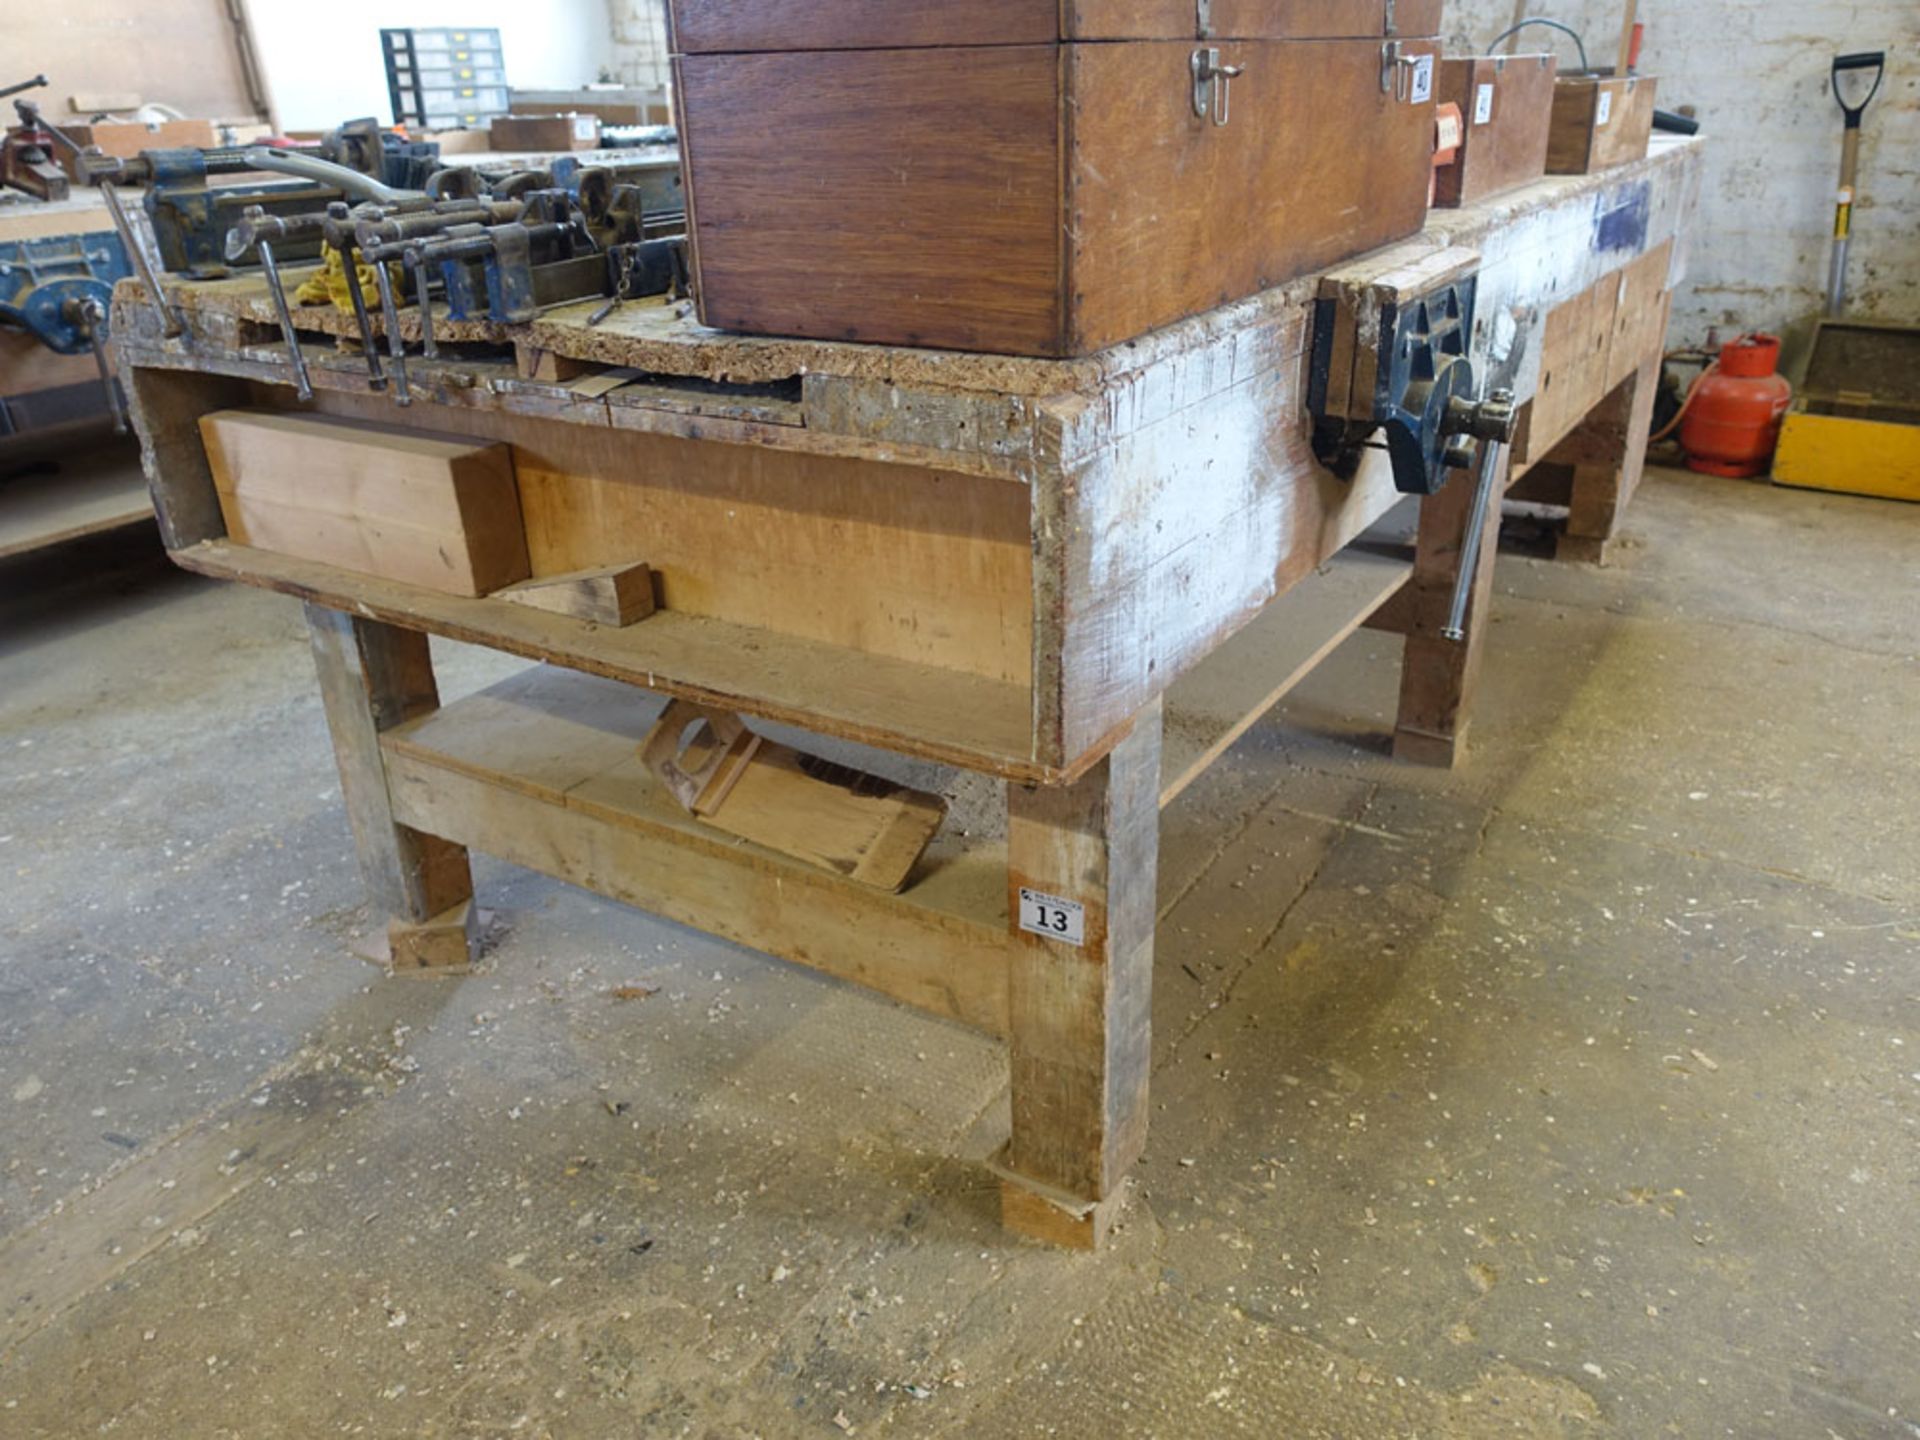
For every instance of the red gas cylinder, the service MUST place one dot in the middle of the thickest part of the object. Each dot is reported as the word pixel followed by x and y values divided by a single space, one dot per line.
pixel 1733 419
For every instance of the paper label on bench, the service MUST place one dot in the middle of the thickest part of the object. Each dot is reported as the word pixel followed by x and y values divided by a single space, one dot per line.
pixel 1422 80
pixel 1053 918
pixel 1483 105
pixel 1605 112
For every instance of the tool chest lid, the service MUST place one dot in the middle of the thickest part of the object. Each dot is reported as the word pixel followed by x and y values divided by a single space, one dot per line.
pixel 721 26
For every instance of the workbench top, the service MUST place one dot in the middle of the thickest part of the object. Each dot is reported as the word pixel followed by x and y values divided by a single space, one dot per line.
pixel 1552 232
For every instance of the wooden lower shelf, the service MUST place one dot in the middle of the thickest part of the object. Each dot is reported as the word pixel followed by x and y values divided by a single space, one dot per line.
pixel 917 710
pixel 543 770
pixel 86 497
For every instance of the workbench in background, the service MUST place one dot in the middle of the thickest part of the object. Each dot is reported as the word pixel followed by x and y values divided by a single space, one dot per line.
pixel 1082 578
pixel 62 474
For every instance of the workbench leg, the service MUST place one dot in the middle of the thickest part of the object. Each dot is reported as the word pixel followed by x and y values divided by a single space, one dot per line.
pixel 372 678
pixel 1440 676
pixel 1081 1005
pixel 1608 453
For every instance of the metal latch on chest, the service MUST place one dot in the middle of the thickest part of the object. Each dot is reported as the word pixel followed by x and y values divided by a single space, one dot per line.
pixel 1213 85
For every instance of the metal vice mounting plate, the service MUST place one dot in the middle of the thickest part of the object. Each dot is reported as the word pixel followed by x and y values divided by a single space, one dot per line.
pixel 1392 357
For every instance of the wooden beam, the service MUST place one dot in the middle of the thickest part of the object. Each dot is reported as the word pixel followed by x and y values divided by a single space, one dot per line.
pixel 1608 452
pixel 616 595
pixel 375 677
pixel 1081 871
pixel 1441 676
pixel 1226 695
pixel 544 770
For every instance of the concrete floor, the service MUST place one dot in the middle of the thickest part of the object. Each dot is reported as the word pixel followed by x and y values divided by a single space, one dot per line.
pixel 1577 1094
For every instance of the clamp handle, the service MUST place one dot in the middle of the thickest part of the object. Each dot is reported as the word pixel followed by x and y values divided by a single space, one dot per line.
pixel 1874 60
pixel 1492 424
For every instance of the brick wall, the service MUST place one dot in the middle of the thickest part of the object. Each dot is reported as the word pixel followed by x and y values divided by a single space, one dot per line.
pixel 637 52
pixel 1756 70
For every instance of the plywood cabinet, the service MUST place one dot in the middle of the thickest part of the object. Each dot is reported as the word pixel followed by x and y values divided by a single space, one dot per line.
pixel 986 177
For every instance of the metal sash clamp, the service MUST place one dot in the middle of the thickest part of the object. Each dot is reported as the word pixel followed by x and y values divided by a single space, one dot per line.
pixel 499 251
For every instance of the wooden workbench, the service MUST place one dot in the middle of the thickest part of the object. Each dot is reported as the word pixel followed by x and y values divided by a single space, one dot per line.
pixel 1085 578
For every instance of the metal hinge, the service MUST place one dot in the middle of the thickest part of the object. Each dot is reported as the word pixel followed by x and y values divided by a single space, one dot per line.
pixel 1213 85
pixel 1203 18
pixel 1393 25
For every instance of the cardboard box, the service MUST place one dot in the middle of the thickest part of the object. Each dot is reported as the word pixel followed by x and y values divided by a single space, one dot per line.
pixel 545 134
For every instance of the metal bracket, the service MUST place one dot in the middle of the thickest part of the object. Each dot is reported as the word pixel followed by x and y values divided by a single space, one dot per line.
pixel 1203 19
pixel 1393 24
pixel 1213 85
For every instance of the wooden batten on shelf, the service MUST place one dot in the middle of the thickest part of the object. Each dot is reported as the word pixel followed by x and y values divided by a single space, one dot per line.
pixel 437 511
pixel 616 595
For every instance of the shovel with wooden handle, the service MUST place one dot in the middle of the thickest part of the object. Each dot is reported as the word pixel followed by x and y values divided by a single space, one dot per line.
pixel 1849 68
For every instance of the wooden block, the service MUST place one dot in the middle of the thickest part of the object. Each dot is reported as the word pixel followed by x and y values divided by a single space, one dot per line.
pixel 459 142
pixel 1600 123
pixel 446 943
pixel 435 511
pixel 840 819
pixel 544 133
pixel 616 595
pixel 1025 1211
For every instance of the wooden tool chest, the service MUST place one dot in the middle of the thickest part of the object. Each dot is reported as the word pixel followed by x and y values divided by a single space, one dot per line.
pixel 1506 108
pixel 1035 178
pixel 1600 122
